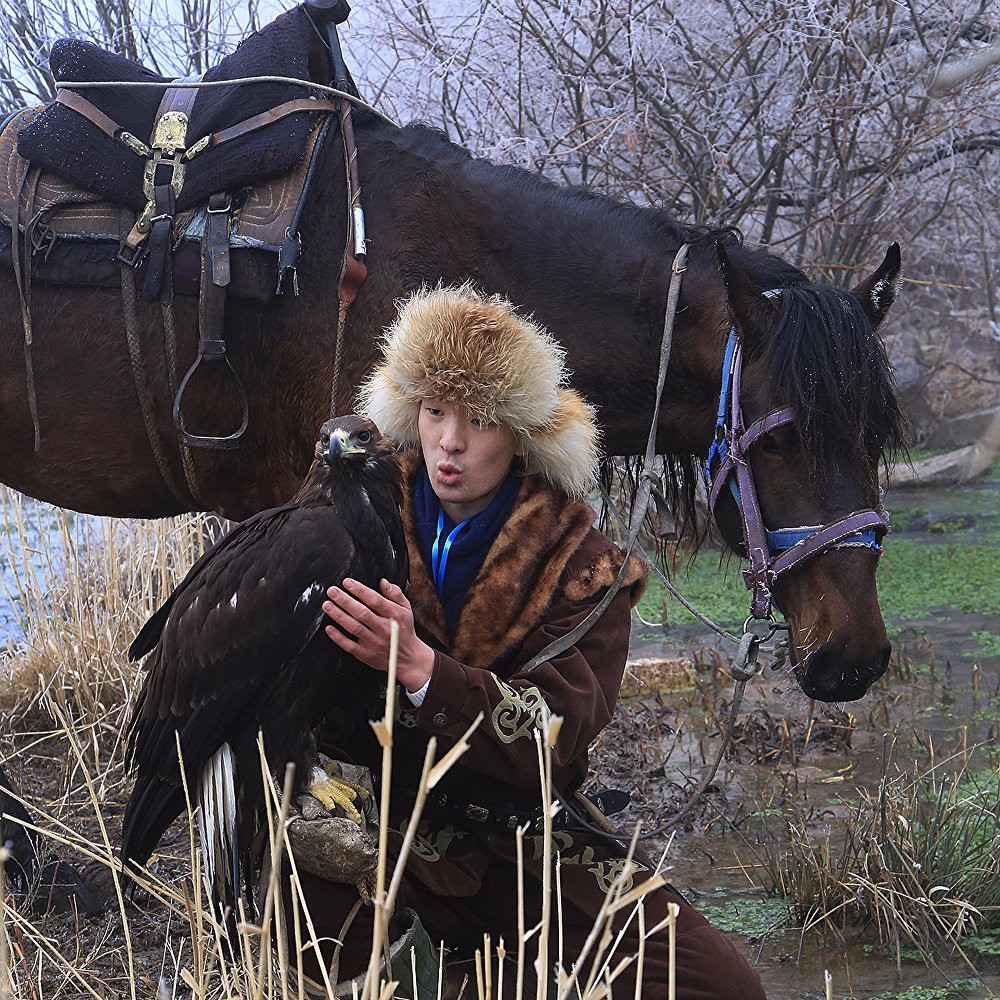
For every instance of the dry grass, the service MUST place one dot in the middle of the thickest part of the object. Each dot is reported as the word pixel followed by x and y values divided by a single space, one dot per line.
pixel 915 864
pixel 85 587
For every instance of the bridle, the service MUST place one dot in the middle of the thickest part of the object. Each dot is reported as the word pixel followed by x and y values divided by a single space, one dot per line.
pixel 770 552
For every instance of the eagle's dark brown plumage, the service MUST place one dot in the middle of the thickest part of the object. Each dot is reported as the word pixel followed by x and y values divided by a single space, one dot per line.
pixel 239 646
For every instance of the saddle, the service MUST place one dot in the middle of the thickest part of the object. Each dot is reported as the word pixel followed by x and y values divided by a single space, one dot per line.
pixel 100 138
pixel 73 235
pixel 193 186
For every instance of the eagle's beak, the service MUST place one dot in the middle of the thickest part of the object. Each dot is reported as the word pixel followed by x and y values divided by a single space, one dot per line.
pixel 341 445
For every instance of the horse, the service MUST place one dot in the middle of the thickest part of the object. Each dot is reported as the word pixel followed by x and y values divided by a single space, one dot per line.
pixel 593 270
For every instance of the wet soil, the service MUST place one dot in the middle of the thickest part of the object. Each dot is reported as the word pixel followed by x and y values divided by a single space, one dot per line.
pixel 791 754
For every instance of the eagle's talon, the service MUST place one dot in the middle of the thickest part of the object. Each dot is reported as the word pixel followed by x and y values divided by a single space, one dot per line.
pixel 339 796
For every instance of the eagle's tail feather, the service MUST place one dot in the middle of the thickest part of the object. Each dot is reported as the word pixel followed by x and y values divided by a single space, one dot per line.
pixel 217 826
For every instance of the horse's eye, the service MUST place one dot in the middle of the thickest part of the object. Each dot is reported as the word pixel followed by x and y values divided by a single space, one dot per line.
pixel 769 445
pixel 364 436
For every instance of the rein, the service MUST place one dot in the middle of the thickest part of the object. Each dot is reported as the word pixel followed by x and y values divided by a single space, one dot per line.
pixel 646 481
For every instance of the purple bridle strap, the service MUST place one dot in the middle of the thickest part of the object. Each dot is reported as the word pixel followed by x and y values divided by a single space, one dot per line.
pixel 767 557
pixel 829 535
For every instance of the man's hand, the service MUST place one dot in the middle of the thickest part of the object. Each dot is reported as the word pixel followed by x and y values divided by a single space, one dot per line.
pixel 363 618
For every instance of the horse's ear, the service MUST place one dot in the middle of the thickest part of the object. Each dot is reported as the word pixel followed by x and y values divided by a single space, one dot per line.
pixel 752 312
pixel 878 291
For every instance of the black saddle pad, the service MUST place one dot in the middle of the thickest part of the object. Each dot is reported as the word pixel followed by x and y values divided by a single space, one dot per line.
pixel 66 143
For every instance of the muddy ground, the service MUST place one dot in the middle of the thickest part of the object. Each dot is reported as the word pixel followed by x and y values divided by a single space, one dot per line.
pixel 790 758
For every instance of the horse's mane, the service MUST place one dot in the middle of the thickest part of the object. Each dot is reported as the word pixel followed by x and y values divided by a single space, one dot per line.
pixel 823 358
pixel 827 360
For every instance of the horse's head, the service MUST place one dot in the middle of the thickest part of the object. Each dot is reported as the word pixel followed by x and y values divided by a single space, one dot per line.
pixel 812 414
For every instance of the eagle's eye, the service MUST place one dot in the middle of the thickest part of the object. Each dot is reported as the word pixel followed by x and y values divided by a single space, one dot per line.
pixel 364 436
pixel 324 439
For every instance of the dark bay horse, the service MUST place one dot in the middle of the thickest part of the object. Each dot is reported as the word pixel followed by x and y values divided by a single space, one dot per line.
pixel 593 270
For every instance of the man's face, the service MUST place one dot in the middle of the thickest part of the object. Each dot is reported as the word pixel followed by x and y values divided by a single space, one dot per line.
pixel 466 460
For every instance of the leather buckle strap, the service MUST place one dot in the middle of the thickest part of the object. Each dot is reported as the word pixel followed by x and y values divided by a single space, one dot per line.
pixel 265 118
pixel 106 124
pixel 217 235
pixel 215 275
pixel 161 222
pixel 502 817
pixel 164 170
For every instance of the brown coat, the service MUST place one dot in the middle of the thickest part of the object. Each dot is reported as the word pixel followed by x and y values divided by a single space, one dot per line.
pixel 547 568
pixel 543 574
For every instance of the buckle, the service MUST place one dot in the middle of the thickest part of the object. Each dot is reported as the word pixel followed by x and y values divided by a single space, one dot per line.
pixel 479 814
pixel 131 255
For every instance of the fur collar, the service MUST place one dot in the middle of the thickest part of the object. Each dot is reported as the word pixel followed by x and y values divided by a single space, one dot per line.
pixel 538 557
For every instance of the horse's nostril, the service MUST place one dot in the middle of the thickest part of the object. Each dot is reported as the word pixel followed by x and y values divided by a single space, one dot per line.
pixel 832 675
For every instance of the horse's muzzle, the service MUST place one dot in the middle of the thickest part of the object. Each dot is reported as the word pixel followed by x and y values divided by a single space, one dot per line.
pixel 831 674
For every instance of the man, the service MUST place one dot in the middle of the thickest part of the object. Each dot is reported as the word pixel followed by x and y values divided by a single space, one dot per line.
pixel 504 559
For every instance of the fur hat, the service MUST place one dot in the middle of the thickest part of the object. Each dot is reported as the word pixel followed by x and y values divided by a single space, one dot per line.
pixel 455 345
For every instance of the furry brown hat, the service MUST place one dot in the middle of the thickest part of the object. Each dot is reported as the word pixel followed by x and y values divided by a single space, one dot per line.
pixel 458 346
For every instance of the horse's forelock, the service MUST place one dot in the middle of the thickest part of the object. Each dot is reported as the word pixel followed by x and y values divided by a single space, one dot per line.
pixel 824 359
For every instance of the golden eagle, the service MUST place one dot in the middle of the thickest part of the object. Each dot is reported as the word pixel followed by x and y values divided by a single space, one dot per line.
pixel 239 647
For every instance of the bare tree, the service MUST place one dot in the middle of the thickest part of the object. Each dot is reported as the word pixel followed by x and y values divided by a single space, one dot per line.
pixel 822 129
pixel 173 37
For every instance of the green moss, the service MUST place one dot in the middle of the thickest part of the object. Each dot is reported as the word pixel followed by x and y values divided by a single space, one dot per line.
pixel 987 644
pixel 714 587
pixel 932 992
pixel 751 917
pixel 915 580
pixel 987 945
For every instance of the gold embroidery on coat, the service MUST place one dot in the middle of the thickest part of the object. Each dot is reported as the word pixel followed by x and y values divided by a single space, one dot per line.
pixel 519 712
pixel 607 871
pixel 561 841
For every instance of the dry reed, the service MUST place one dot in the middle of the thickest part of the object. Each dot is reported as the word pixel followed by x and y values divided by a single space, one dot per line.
pixel 83 587
pixel 915 864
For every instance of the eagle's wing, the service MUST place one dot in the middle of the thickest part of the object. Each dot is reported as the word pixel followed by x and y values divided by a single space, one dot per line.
pixel 239 536
pixel 234 626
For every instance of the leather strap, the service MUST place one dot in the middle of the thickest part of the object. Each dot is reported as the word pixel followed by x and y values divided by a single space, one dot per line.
pixel 291 244
pixel 217 235
pixel 211 324
pixel 89 111
pixel 354 271
pixel 180 99
pixel 159 241
pixel 265 118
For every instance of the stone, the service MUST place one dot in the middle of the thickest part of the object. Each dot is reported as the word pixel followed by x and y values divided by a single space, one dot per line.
pixel 649 675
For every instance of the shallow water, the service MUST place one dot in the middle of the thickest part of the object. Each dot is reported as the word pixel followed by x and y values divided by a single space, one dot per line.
pixel 38 530
pixel 714 867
